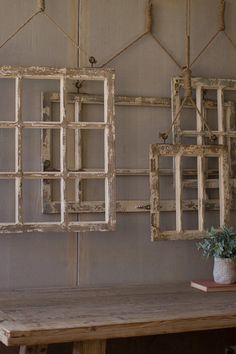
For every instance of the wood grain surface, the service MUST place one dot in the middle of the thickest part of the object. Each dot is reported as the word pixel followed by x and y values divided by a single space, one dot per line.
pixel 29 317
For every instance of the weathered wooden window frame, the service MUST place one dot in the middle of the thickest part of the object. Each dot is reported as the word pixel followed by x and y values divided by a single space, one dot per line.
pixel 177 152
pixel 63 75
pixel 128 206
pixel 81 206
pixel 225 111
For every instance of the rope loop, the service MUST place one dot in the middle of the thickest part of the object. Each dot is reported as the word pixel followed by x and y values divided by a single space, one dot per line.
pixel 41 5
pixel 187 74
pixel 222 15
pixel 149 16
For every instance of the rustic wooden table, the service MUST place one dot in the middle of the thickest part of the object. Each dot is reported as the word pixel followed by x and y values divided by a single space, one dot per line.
pixel 35 318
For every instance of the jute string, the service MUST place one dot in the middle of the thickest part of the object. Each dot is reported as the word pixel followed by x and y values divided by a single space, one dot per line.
pixel 221 28
pixel 148 30
pixel 41 9
pixel 149 16
pixel 221 15
pixel 187 74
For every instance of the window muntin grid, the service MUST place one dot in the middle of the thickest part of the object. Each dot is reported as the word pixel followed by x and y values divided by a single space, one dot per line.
pixel 81 206
pixel 108 174
pixel 226 133
pixel 80 100
pixel 177 152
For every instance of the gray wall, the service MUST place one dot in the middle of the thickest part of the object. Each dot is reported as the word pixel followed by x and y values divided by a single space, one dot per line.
pixel 34 260
pixel 126 255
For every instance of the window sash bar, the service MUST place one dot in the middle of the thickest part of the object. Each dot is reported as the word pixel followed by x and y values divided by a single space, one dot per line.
pixel 178 192
pixel 78 152
pixel 52 125
pixel 36 72
pixel 230 125
pixel 18 152
pixel 200 162
pixel 201 193
pixel 224 189
pixel 220 115
pixel 199 104
pixel 109 151
pixel 54 227
pixel 175 106
pixel 54 175
pixel 63 152
pixel 155 204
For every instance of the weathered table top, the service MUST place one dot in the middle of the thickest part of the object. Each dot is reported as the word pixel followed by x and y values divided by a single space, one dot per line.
pixel 62 315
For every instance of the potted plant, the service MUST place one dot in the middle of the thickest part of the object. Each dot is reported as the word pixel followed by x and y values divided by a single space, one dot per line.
pixel 221 244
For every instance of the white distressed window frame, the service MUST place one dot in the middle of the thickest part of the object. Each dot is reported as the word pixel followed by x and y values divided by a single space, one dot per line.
pixel 177 152
pixel 226 133
pixel 108 174
pixel 80 206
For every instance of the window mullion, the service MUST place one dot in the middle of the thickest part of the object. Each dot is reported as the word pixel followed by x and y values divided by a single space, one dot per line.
pixel 18 152
pixel 63 152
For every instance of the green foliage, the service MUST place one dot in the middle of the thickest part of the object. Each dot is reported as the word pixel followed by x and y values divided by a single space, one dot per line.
pixel 219 243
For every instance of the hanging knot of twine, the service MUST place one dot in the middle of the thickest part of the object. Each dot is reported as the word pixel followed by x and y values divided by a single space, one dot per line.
pixel 149 16
pixel 41 5
pixel 222 15
pixel 187 74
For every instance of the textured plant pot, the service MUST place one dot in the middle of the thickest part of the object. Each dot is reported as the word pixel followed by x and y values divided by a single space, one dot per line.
pixel 224 271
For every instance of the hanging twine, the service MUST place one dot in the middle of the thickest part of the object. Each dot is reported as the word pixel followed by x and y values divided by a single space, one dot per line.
pixel 41 5
pixel 186 71
pixel 221 16
pixel 19 29
pixel 149 16
pixel 164 135
pixel 186 74
pixel 221 28
pixel 41 9
pixel 212 136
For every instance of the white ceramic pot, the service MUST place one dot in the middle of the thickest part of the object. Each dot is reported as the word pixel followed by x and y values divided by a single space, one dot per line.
pixel 224 271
